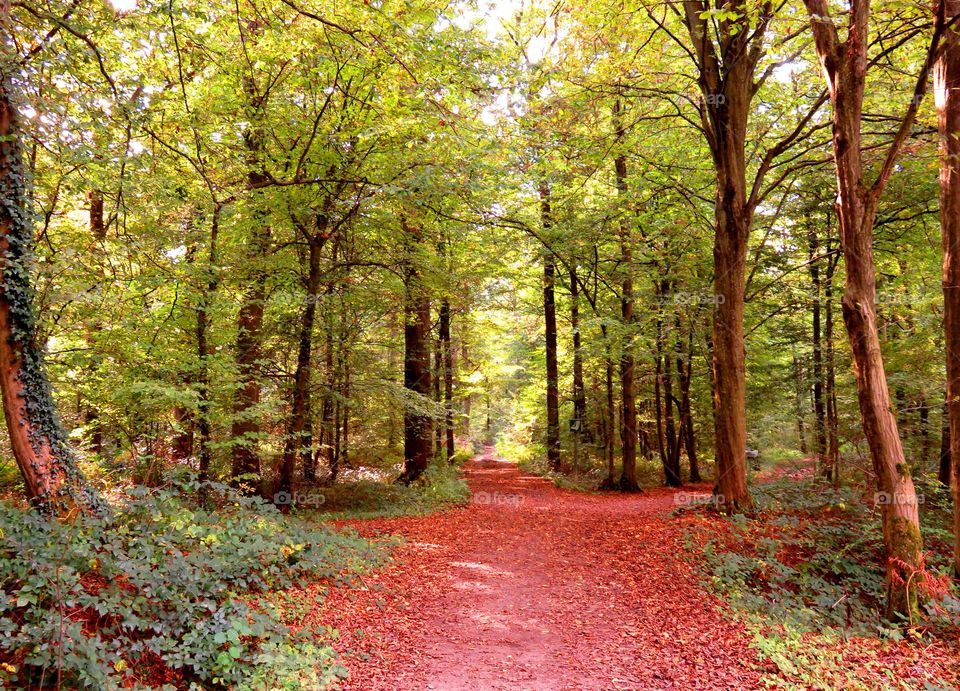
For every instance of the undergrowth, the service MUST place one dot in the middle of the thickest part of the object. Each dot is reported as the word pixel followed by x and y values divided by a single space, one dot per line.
pixel 804 574
pixel 168 592
pixel 439 487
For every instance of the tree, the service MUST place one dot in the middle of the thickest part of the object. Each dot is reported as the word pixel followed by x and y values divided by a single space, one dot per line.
pixel 845 65
pixel 947 90
pixel 53 482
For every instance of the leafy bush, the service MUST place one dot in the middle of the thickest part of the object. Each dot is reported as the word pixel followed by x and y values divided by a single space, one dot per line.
pixel 164 592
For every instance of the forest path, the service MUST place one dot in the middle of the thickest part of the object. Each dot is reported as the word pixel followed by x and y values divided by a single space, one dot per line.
pixel 532 587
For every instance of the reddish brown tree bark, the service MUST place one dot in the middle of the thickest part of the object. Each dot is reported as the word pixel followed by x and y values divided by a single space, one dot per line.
pixel 53 482
pixel 947 87
pixel 845 65
pixel 727 54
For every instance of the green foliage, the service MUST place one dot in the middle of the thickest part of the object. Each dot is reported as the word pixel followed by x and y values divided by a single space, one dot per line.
pixel 438 488
pixel 169 585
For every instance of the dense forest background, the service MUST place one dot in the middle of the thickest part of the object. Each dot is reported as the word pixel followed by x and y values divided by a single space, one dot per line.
pixel 286 244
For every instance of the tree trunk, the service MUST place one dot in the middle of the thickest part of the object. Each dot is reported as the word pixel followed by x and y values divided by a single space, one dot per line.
pixel 53 482
pixel 923 411
pixel 628 414
pixel 798 404
pixel 550 319
pixel 947 87
pixel 845 67
pixel 819 408
pixel 579 392
pixel 245 430
pixel 609 417
pixel 417 426
pixel 685 372
pixel 438 429
pixel 833 432
pixel 447 347
pixel 727 81
pixel 944 466
pixel 98 230
pixel 204 427
pixel 297 423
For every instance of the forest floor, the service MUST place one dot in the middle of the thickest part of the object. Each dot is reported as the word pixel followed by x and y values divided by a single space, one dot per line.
pixel 533 587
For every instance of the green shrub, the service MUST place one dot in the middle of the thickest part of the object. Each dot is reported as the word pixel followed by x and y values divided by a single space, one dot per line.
pixel 439 487
pixel 165 586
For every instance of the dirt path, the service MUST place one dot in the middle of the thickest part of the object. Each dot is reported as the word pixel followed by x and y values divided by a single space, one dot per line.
pixel 531 587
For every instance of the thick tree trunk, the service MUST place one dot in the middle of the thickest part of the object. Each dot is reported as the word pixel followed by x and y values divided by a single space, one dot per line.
pixel 550 320
pixel 245 430
pixel 53 482
pixel 727 80
pixel 628 413
pixel 845 67
pixel 947 86
pixel 418 427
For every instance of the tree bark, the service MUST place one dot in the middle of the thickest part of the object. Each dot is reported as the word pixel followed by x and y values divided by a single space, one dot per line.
pixel 945 469
pixel 727 86
pixel 298 422
pixel 819 408
pixel 947 88
pixel 245 430
pixel 53 482
pixel 550 320
pixel 98 229
pixel 685 370
pixel 845 66
pixel 628 413
pixel 833 431
pixel 418 427
pixel 579 392
pixel 799 407
pixel 447 347
pixel 609 418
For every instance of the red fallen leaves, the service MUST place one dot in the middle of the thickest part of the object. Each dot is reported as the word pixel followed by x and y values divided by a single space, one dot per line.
pixel 550 590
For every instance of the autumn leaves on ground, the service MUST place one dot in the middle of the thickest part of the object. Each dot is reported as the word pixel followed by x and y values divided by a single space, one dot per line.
pixel 533 587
